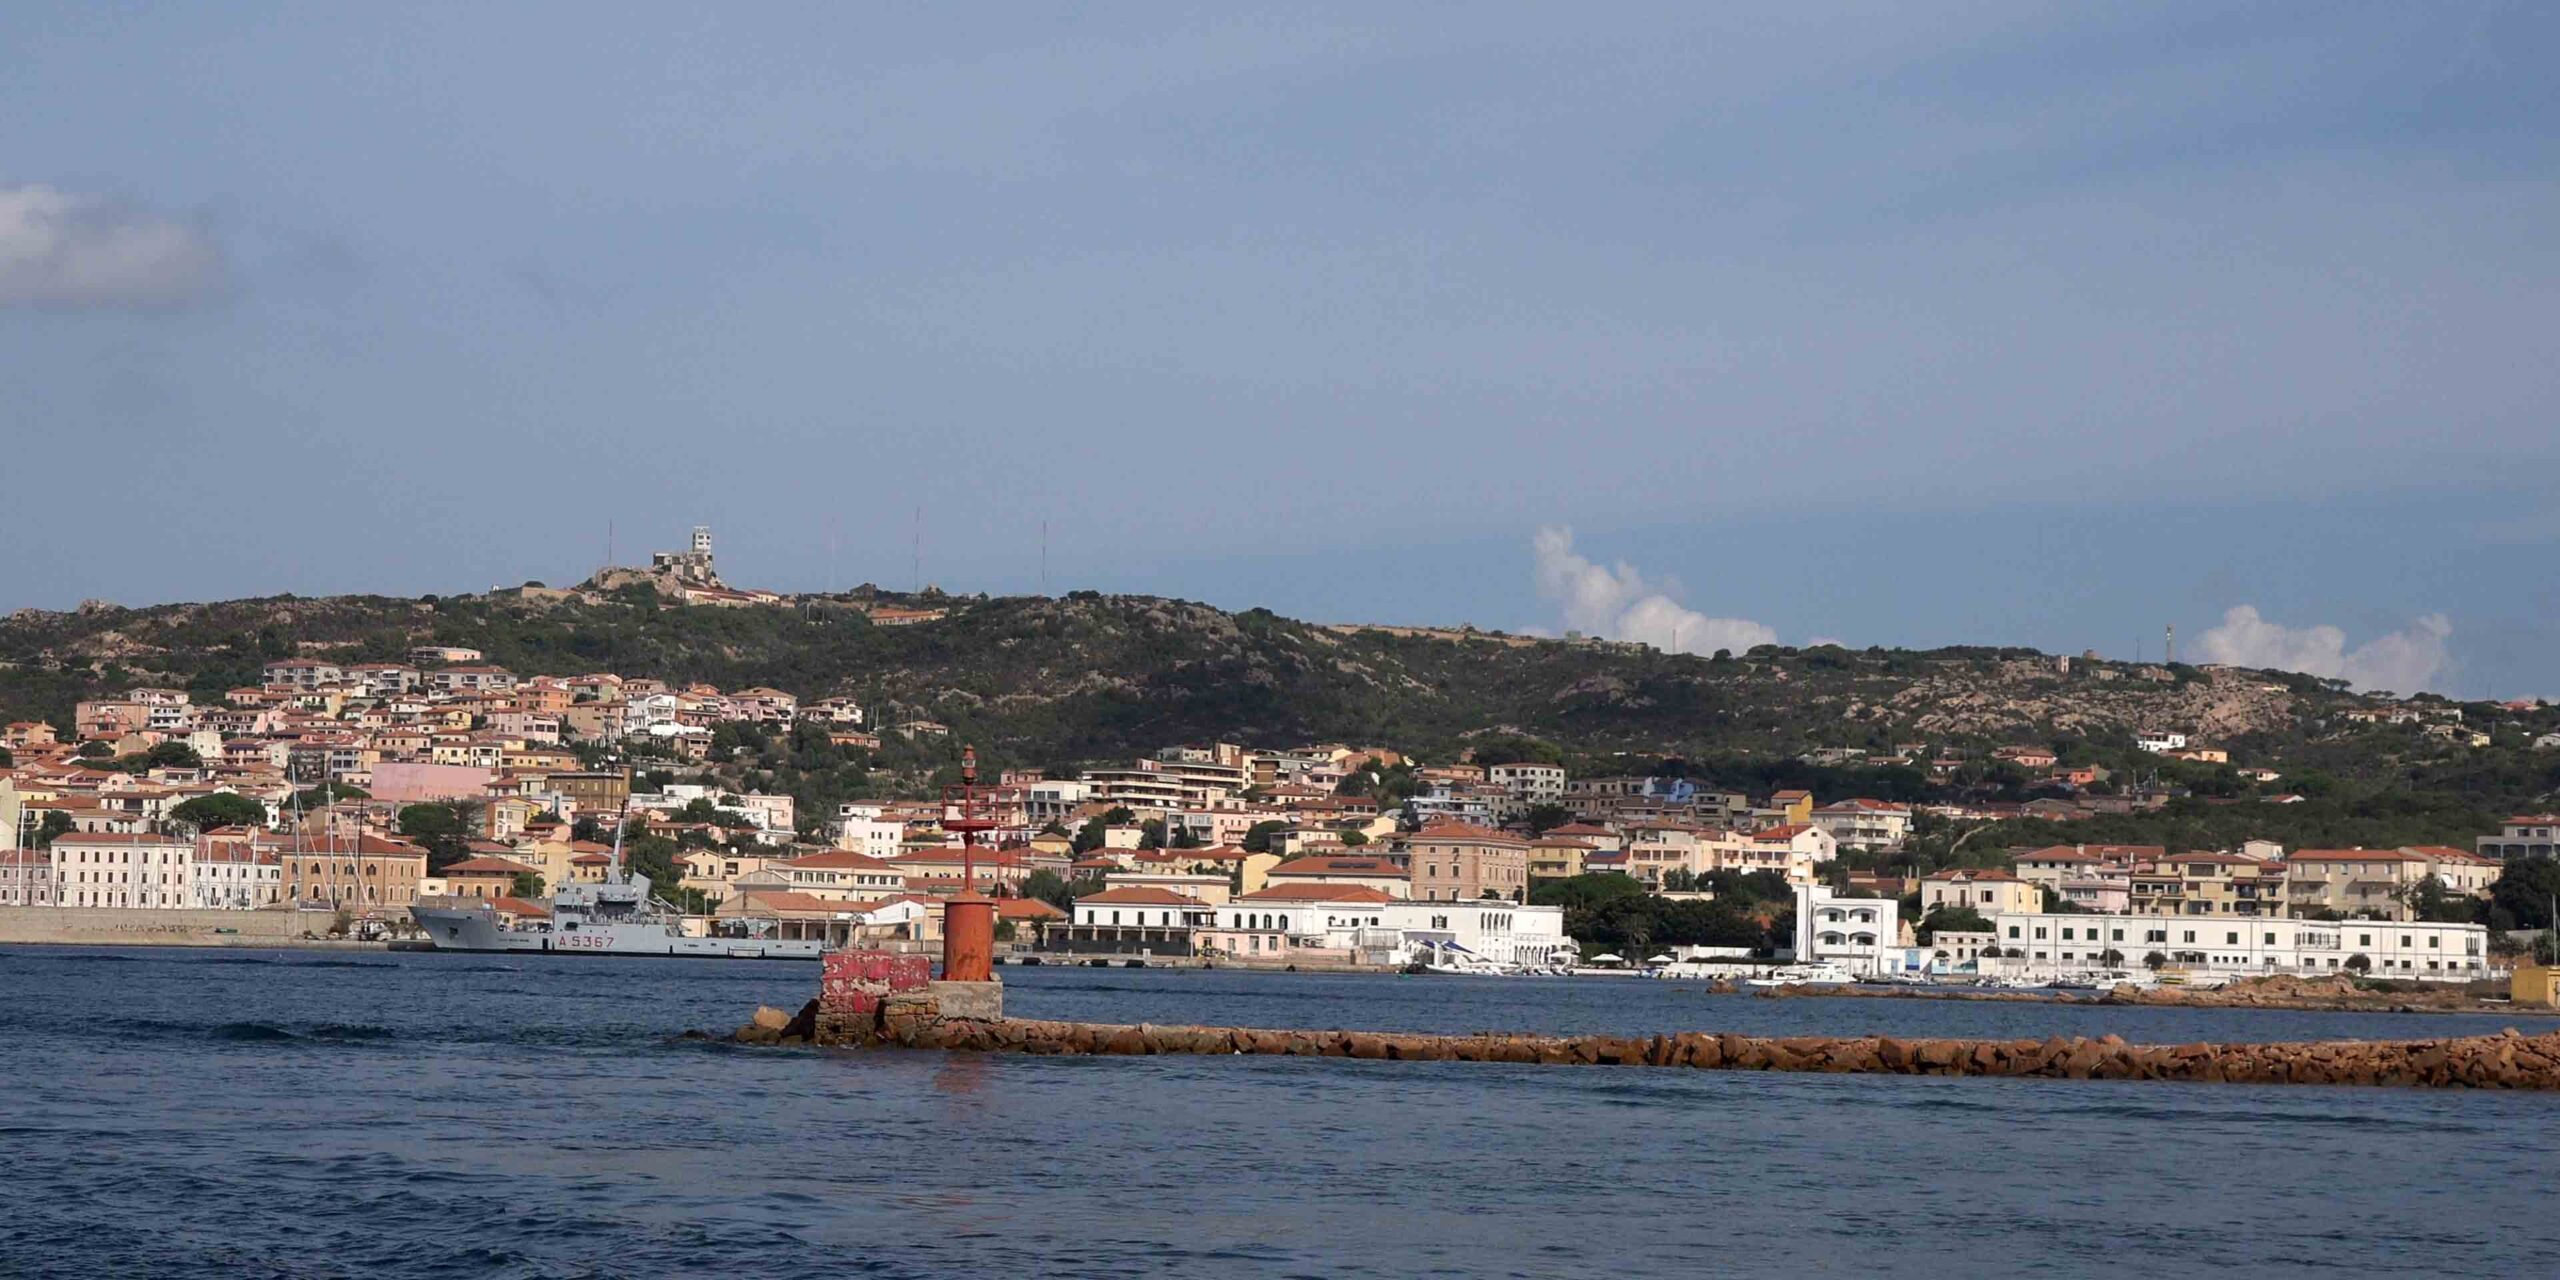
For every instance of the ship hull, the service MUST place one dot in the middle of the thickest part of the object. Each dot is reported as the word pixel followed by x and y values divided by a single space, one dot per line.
pixel 462 929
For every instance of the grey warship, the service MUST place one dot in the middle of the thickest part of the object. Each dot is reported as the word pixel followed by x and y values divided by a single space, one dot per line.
pixel 617 916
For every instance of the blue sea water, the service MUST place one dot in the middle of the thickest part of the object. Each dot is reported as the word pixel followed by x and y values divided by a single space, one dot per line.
pixel 222 1114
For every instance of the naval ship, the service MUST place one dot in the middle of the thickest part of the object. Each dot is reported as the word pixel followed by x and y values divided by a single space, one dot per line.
pixel 617 916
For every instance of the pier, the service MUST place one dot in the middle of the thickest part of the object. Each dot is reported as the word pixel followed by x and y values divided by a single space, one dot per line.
pixel 880 1000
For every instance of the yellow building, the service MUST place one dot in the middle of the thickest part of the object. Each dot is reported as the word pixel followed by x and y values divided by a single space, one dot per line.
pixel 1554 858
pixel 2537 985
pixel 1794 807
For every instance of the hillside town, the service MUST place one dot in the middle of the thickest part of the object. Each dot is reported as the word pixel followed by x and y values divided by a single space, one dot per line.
pixel 359 791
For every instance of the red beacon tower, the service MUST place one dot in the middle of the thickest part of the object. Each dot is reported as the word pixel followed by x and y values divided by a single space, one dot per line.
pixel 969 918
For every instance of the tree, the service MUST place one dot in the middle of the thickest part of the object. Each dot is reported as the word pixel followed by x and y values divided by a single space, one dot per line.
pixel 2155 962
pixel 1257 838
pixel 2056 904
pixel 172 755
pixel 1049 887
pixel 1151 834
pixel 440 831
pixel 2111 958
pixel 1543 818
pixel 1005 931
pixel 2524 890
pixel 96 751
pixel 1354 837
pixel 2360 963
pixel 2430 900
pixel 528 885
pixel 329 793
pixel 56 823
pixel 1053 827
pixel 1957 919
pixel 654 857
pixel 221 809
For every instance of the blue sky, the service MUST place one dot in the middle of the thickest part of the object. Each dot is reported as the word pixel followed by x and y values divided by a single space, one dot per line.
pixel 1890 324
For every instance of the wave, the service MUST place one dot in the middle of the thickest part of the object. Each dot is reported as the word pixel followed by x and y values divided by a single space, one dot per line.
pixel 287 962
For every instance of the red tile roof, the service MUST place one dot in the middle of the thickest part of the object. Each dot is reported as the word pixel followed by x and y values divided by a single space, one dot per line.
pixel 1139 897
pixel 1317 893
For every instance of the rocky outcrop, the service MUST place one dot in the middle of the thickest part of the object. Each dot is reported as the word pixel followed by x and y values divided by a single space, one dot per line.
pixel 2507 1060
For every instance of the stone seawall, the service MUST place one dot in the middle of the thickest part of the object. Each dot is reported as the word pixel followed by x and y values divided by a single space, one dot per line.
pixel 916 1020
pixel 153 927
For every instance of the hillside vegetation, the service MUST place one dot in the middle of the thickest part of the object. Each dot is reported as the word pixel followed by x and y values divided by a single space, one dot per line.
pixel 1052 682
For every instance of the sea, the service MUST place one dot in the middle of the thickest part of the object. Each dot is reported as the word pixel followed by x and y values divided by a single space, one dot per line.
pixel 203 1113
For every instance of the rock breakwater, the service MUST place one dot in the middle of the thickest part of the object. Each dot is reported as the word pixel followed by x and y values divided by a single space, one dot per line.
pixel 2506 1060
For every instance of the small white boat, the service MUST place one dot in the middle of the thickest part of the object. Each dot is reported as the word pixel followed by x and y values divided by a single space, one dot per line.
pixel 1805 975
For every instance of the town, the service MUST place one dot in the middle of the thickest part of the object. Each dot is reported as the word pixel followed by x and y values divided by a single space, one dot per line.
pixel 350 794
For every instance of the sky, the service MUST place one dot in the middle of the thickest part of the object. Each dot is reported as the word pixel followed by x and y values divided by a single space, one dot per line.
pixel 1705 325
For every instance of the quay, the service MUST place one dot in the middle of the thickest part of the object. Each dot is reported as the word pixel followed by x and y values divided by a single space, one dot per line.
pixel 883 1000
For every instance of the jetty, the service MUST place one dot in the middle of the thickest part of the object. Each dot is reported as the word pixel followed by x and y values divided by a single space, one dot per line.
pixel 883 1000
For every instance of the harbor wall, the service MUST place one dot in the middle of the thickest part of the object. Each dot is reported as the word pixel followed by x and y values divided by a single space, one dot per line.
pixel 895 1012
pixel 172 927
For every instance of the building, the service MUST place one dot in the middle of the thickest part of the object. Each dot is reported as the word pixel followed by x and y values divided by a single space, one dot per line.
pixel 123 869
pixel 2378 883
pixel 26 878
pixel 1556 858
pixel 1796 850
pixel 1529 784
pixel 1135 921
pixel 2430 952
pixel 1861 935
pixel 1455 862
pixel 1865 824
pixel 601 795
pixel 1384 874
pixel 2530 835
pixel 2208 884
pixel 1986 891
pixel 232 872
pixel 485 877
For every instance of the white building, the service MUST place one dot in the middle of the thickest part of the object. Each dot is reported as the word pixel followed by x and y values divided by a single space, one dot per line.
pixel 1529 783
pixel 233 875
pixel 860 827
pixel 1502 932
pixel 102 869
pixel 1861 935
pixel 1865 824
pixel 2243 945
pixel 1365 925
pixel 2157 742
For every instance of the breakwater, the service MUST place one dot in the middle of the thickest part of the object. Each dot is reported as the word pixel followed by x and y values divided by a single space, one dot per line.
pixel 883 1007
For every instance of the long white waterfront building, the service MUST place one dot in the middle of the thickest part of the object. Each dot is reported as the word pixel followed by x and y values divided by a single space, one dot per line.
pixel 2041 943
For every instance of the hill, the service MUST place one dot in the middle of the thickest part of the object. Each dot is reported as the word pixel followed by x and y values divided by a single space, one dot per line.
pixel 1054 681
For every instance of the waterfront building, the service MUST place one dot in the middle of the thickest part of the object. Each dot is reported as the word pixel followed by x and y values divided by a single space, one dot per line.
pixel 124 870
pixel 1137 921
pixel 26 878
pixel 2048 943
pixel 1861 935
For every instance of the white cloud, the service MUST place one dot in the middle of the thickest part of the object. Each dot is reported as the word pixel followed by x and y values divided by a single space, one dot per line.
pixel 1618 604
pixel 61 249
pixel 2403 661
